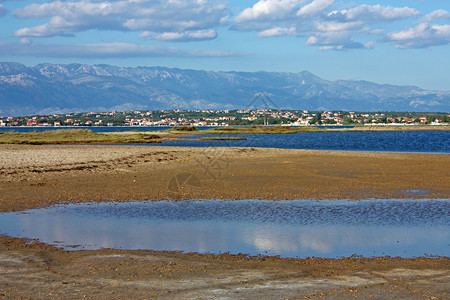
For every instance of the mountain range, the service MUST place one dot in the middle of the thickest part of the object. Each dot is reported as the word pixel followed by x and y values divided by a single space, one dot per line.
pixel 58 88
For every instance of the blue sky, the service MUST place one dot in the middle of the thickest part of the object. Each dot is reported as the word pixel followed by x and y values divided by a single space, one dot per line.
pixel 396 42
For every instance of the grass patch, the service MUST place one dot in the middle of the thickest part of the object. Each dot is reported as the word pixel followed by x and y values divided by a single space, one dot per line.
pixel 74 136
pixel 211 138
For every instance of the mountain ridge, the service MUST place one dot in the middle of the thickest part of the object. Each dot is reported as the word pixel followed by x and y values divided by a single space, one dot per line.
pixel 61 88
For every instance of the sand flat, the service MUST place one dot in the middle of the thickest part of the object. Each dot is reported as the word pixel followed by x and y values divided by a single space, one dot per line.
pixel 33 176
pixel 37 175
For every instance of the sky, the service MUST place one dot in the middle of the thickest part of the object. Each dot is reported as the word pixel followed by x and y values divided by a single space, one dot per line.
pixel 398 42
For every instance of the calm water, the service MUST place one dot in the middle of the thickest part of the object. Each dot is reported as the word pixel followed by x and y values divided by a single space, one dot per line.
pixel 298 228
pixel 433 141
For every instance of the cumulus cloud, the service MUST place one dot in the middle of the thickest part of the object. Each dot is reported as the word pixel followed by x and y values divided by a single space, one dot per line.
pixel 422 36
pixel 266 14
pixel 340 41
pixel 425 34
pixel 378 13
pixel 436 15
pixel 103 50
pixel 323 24
pixel 269 10
pixel 315 7
pixel 326 24
pixel 191 19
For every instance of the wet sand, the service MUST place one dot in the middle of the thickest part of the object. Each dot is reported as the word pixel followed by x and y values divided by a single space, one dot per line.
pixel 33 176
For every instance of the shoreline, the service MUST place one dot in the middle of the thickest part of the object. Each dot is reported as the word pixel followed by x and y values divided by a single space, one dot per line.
pixel 38 176
pixel 215 126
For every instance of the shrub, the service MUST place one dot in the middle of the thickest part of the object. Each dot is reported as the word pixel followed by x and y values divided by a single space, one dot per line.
pixel 184 128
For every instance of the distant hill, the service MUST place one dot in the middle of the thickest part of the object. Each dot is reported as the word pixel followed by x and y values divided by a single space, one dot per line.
pixel 55 88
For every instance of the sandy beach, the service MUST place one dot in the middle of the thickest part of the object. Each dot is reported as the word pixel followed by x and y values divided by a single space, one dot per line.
pixel 34 176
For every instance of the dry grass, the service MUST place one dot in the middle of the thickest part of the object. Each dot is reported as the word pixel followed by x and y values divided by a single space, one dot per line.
pixel 73 136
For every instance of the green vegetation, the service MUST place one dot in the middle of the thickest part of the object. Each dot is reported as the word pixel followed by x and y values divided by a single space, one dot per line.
pixel 183 128
pixel 74 136
pixel 260 130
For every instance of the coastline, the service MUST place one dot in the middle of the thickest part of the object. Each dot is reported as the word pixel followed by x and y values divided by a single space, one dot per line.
pixel 35 176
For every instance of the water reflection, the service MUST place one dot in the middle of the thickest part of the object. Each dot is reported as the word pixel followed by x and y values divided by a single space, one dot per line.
pixel 299 228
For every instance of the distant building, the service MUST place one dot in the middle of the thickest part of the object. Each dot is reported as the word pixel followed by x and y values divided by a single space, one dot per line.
pixel 423 119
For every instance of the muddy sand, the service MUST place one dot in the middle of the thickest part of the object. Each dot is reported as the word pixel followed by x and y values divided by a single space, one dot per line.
pixel 34 176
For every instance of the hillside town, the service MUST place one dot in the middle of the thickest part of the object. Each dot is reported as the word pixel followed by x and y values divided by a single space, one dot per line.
pixel 228 118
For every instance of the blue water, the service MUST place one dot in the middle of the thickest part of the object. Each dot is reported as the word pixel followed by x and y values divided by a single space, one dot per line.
pixel 426 141
pixel 433 141
pixel 295 228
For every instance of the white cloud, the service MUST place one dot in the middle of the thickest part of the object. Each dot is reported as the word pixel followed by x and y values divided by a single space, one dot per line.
pixel 376 31
pixel 340 41
pixel 337 26
pixel 314 7
pixel 327 24
pixel 103 50
pixel 197 35
pixel 277 31
pixel 187 18
pixel 266 14
pixel 369 45
pixel 268 10
pixel 436 15
pixel 329 28
pixel 422 36
pixel 379 14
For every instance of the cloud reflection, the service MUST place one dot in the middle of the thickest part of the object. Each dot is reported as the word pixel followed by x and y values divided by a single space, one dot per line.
pixel 121 227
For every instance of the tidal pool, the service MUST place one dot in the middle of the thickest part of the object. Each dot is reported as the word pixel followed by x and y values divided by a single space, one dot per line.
pixel 294 228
